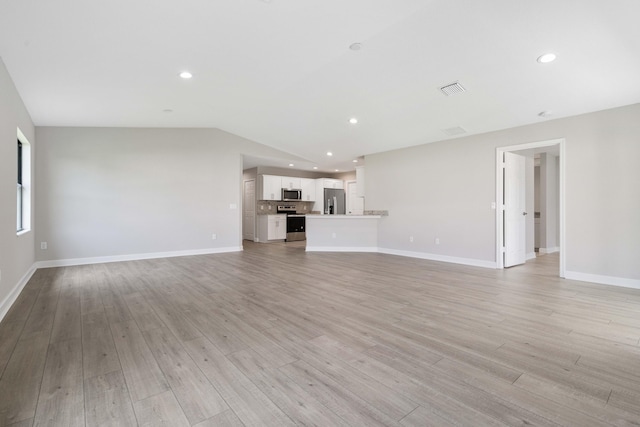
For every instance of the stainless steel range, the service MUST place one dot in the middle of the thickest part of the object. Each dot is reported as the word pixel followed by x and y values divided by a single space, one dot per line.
pixel 296 223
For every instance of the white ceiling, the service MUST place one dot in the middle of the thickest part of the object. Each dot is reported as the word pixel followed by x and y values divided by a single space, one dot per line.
pixel 281 73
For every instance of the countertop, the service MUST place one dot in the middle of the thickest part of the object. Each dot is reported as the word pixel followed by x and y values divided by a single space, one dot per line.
pixel 340 216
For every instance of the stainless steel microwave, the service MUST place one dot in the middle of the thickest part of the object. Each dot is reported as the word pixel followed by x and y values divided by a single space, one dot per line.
pixel 290 195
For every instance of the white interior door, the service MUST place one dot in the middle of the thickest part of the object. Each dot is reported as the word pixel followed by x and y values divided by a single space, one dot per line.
pixel 355 204
pixel 515 227
pixel 249 210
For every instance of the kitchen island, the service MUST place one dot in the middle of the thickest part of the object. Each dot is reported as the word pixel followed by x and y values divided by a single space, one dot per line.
pixel 342 233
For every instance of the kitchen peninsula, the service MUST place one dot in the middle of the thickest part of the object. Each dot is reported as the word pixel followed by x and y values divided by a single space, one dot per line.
pixel 343 233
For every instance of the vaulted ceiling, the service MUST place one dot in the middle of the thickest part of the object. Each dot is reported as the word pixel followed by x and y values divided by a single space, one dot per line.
pixel 286 73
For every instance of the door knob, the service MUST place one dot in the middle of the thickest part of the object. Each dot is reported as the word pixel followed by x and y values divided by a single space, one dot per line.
pixel 524 213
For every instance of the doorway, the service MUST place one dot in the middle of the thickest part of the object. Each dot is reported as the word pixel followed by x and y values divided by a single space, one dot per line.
pixel 249 209
pixel 509 196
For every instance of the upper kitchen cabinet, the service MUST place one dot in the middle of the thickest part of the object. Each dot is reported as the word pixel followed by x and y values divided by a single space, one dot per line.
pixel 308 187
pixel 269 187
pixel 289 182
pixel 332 183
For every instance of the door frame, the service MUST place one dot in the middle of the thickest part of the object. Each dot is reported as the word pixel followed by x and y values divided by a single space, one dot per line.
pixel 560 142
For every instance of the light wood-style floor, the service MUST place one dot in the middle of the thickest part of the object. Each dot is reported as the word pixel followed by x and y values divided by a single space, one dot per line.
pixel 275 336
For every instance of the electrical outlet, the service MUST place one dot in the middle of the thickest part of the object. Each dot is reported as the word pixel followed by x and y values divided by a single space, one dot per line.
pixel 437 240
pixel 214 236
pixel 261 207
pixel 43 245
pixel 411 239
pixel 333 235
pixel 493 205
pixel 233 206
pixel 269 207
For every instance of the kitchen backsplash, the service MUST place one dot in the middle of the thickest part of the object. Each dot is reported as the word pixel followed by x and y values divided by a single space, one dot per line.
pixel 377 212
pixel 268 207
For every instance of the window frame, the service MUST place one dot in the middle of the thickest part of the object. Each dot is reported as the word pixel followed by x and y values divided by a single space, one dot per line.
pixel 23 181
pixel 20 194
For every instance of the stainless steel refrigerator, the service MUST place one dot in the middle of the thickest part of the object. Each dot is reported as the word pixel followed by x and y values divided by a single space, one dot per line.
pixel 334 201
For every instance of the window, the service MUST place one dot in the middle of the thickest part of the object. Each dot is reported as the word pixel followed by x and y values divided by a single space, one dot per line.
pixel 23 200
pixel 20 213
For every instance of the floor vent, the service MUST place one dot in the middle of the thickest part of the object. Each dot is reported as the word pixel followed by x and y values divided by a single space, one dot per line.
pixel 452 89
pixel 454 131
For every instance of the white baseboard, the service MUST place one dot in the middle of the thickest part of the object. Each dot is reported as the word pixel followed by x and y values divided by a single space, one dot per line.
pixel 531 255
pixel 443 258
pixel 549 250
pixel 13 295
pixel 410 254
pixel 340 249
pixel 133 257
pixel 602 280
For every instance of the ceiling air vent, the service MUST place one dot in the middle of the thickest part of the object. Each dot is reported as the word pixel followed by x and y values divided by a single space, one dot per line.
pixel 454 131
pixel 452 89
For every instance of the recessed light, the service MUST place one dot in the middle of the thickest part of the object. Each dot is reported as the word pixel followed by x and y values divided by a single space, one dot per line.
pixel 329 153
pixel 167 110
pixel 337 170
pixel 546 58
pixel 185 75
pixel 290 164
pixel 355 46
pixel 315 167
pixel 355 160
pixel 353 120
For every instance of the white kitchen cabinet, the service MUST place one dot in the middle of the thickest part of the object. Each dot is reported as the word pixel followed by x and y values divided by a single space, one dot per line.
pixel 308 187
pixel 290 182
pixel 269 187
pixel 332 183
pixel 321 184
pixel 277 227
pixel 272 227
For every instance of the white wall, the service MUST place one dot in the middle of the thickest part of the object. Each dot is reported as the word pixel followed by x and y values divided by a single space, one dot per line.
pixel 16 252
pixel 112 192
pixel 439 190
pixel 549 236
pixel 342 233
pixel 445 190
pixel 269 170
